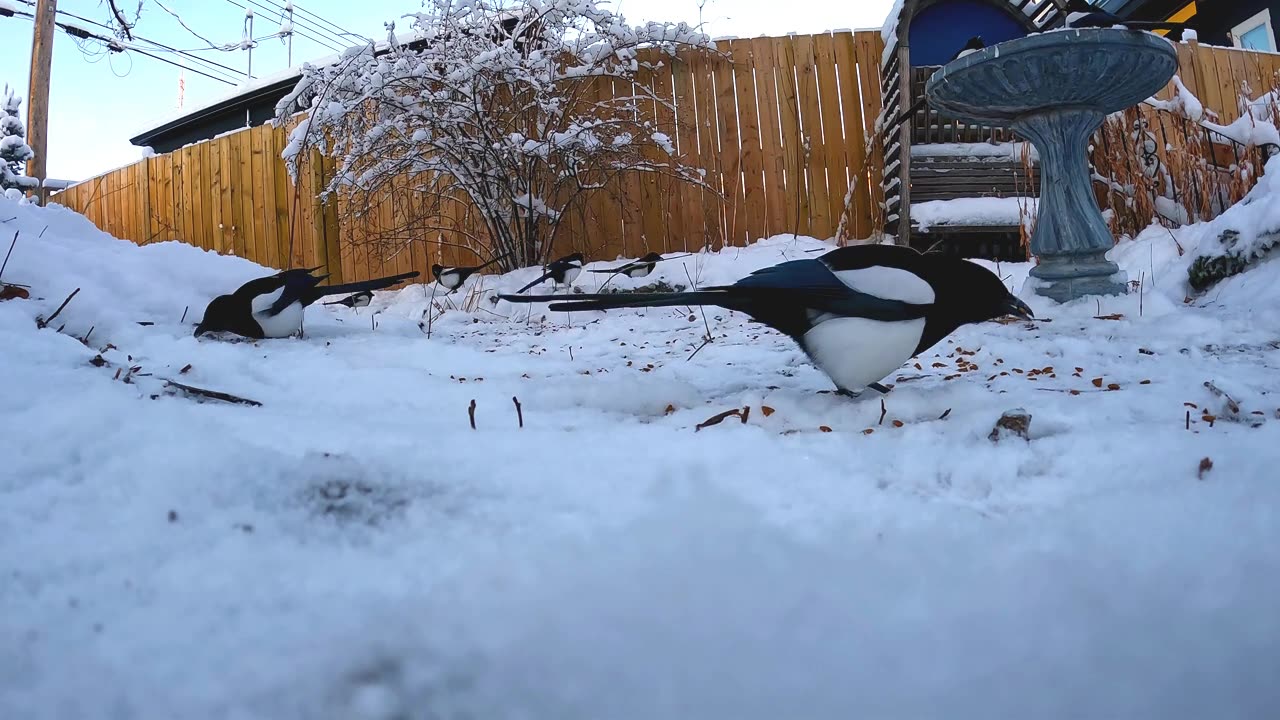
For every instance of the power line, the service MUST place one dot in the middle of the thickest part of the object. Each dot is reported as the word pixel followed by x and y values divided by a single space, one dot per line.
pixel 324 43
pixel 341 30
pixel 301 22
pixel 238 74
pixel 79 32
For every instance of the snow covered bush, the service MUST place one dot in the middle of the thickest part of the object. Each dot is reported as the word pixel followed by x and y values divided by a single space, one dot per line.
pixel 521 110
pixel 14 150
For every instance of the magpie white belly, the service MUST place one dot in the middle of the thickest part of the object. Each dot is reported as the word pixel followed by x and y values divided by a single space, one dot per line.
pixel 283 324
pixel 855 352
pixel 570 275
pixel 450 280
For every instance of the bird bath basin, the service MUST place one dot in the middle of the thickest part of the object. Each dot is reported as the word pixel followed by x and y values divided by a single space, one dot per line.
pixel 1055 89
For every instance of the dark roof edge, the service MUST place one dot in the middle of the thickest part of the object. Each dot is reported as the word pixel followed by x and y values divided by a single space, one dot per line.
pixel 145 137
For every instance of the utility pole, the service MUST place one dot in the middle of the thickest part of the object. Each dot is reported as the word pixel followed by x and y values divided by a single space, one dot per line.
pixel 38 91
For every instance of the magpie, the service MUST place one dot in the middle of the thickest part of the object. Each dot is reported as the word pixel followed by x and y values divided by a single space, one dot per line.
pixel 636 268
pixel 272 306
pixel 974 45
pixel 858 312
pixel 358 300
pixel 561 271
pixel 1082 14
pixel 452 278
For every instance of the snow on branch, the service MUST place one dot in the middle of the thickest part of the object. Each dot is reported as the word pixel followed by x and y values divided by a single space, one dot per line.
pixel 512 108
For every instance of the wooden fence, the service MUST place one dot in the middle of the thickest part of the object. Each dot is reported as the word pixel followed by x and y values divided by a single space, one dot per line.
pixel 744 114
pixel 779 123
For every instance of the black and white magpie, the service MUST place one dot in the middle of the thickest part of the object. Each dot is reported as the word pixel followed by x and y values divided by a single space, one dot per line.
pixel 636 268
pixel 858 312
pixel 1082 14
pixel 974 45
pixel 357 300
pixel 562 271
pixel 451 278
pixel 272 306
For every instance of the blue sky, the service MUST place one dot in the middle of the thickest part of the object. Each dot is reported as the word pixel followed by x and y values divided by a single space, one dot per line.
pixel 97 101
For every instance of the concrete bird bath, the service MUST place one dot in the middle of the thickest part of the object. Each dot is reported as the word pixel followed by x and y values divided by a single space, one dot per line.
pixel 1055 89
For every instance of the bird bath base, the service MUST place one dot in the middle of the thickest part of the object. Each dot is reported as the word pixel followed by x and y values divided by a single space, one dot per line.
pixel 1071 236
pixel 1055 89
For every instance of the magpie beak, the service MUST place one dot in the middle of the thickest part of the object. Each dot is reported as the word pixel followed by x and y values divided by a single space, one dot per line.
pixel 1014 306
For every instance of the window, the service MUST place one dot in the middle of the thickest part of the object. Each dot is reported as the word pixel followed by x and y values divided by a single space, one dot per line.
pixel 1255 33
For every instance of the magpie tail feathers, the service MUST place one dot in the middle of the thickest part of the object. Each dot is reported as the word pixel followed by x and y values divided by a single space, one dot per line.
pixel 610 301
pixel 535 282
pixel 353 287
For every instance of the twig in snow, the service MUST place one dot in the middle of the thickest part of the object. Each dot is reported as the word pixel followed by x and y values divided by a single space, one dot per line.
pixel 43 323
pixel 184 315
pixel 883 412
pixel 6 255
pixel 1232 405
pixel 571 352
pixel 717 419
pixel 1141 277
pixel 705 342
pixel 85 339
pixel 212 394
pixel 471 413
pixel 944 415
pixel 1188 420
pixel 519 412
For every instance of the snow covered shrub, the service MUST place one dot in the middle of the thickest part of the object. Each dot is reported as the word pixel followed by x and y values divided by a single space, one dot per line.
pixel 14 150
pixel 519 110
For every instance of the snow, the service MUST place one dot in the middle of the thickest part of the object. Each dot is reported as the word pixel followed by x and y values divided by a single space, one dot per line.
pixel 974 211
pixel 1253 224
pixel 353 549
pixel 1006 150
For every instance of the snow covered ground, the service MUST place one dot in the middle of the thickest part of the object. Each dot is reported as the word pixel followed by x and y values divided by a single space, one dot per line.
pixel 353 549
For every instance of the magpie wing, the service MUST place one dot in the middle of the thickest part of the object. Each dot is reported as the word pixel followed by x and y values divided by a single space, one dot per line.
pixel 812 284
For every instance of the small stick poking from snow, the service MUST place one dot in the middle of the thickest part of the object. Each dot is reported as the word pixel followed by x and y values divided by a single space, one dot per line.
pixel 519 412
pixel 6 255
pixel 184 314
pixel 1188 419
pixel 944 415
pixel 42 323
pixel 471 413
pixel 883 411
pixel 212 394
pixel 717 419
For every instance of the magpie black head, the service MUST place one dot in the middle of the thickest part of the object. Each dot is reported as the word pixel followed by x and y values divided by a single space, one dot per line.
pixel 569 259
pixel 970 293
pixel 227 313
pixel 436 269
pixel 651 257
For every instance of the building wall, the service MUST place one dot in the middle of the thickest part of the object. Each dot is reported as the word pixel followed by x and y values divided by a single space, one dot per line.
pixel 1214 18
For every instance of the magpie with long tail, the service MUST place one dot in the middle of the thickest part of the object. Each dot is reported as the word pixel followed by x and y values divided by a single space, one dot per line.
pixel 451 278
pixel 1082 14
pixel 636 268
pixel 356 300
pixel 272 306
pixel 858 312
pixel 561 271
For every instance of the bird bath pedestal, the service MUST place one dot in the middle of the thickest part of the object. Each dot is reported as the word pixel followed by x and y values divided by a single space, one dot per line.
pixel 1055 89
